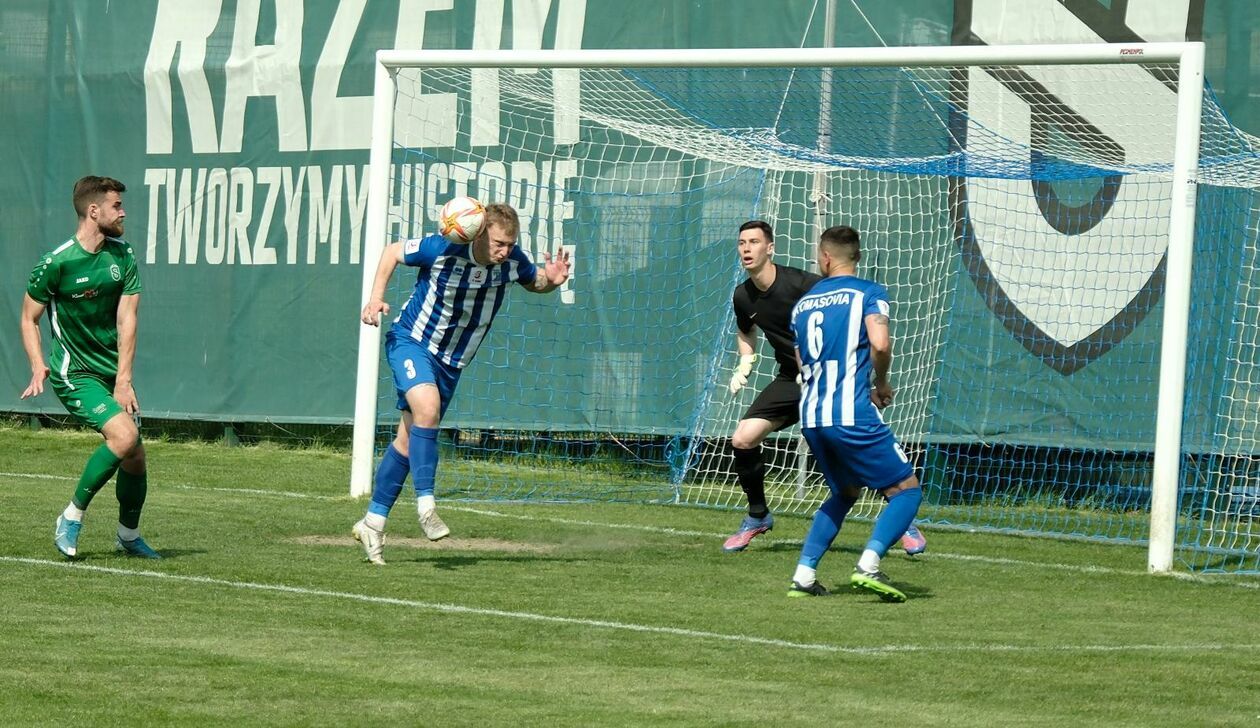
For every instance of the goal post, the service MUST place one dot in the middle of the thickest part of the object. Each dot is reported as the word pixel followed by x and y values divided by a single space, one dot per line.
pixel 363 436
pixel 1172 360
pixel 651 151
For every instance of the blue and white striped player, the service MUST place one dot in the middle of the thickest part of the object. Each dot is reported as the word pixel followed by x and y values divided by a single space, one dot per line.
pixel 845 351
pixel 459 289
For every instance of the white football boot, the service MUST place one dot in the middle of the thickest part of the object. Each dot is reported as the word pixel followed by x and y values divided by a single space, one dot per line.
pixel 372 541
pixel 433 526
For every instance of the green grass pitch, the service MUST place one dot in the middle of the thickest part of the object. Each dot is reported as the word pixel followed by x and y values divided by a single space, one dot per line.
pixel 263 613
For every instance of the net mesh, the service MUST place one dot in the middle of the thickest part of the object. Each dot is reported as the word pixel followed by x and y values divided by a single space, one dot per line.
pixel 1018 217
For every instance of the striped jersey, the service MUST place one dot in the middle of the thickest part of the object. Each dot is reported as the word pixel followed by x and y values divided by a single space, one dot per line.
pixel 82 291
pixel 830 327
pixel 455 299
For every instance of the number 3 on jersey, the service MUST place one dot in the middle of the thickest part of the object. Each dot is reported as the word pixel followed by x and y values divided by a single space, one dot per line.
pixel 814 334
pixel 410 367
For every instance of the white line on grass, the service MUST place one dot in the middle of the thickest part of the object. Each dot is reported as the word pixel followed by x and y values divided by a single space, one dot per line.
pixel 998 561
pixel 36 476
pixel 993 560
pixel 875 650
pixel 428 606
pixel 259 491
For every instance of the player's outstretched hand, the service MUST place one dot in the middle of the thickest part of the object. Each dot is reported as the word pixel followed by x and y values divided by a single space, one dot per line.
pixel 374 312
pixel 556 269
pixel 882 394
pixel 37 383
pixel 125 395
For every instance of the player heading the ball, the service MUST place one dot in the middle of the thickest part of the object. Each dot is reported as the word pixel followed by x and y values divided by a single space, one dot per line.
pixel 458 292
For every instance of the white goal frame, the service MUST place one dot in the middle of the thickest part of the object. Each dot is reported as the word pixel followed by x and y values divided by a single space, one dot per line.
pixel 1188 57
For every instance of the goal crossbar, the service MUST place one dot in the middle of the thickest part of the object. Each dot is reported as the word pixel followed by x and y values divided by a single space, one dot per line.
pixel 1048 55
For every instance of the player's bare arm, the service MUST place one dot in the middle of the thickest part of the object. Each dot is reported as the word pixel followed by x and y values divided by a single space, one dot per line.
pixel 552 274
pixel 32 311
pixel 124 392
pixel 376 309
pixel 881 358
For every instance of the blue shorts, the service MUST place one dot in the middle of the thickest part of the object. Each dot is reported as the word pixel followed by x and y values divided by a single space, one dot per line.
pixel 413 364
pixel 865 455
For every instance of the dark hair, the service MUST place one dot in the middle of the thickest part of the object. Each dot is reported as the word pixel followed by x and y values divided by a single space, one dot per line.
pixel 761 225
pixel 842 238
pixel 91 190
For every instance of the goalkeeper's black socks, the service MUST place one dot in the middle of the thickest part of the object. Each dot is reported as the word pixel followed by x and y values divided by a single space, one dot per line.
pixel 750 468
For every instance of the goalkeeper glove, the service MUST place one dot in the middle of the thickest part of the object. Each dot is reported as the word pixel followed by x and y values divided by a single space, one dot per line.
pixel 740 377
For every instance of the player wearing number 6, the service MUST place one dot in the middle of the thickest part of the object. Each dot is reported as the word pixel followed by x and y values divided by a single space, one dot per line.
pixel 459 289
pixel 845 351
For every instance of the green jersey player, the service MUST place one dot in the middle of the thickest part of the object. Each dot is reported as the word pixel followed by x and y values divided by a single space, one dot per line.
pixel 91 289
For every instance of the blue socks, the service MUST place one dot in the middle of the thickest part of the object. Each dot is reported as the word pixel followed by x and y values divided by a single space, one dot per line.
pixel 827 522
pixel 390 476
pixel 392 472
pixel 424 459
pixel 895 519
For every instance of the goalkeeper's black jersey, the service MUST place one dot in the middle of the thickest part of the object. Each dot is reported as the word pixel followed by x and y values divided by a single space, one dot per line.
pixel 771 311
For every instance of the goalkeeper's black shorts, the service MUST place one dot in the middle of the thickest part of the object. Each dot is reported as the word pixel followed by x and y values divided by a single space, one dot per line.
pixel 779 402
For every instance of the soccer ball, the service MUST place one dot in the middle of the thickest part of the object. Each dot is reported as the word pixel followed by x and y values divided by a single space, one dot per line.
pixel 461 219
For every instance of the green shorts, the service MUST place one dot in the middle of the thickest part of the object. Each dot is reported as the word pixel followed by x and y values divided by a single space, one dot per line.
pixel 89 398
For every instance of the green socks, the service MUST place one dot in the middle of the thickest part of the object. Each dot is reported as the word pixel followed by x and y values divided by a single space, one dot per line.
pixel 132 488
pixel 131 491
pixel 99 469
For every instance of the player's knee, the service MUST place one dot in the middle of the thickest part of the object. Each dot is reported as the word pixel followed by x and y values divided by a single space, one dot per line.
pixel 425 403
pixel 125 444
pixel 134 462
pixel 910 483
pixel 427 419
pixel 121 435
pixel 746 439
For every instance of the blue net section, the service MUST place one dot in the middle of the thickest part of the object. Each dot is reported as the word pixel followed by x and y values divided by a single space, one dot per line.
pixel 1018 215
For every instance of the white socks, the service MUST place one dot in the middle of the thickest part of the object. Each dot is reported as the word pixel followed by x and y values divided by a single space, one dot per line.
pixel 72 513
pixel 804 575
pixel 869 561
pixel 425 504
pixel 128 534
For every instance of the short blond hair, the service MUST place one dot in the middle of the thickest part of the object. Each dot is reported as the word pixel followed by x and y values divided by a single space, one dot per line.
pixel 504 216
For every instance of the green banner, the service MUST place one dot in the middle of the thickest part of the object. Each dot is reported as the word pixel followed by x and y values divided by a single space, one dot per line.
pixel 241 129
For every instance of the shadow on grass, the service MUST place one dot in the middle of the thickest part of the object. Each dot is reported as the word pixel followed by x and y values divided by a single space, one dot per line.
pixel 455 563
pixel 113 557
pixel 796 548
pixel 915 592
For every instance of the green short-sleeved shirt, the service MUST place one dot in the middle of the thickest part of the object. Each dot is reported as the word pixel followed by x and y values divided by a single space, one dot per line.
pixel 82 291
